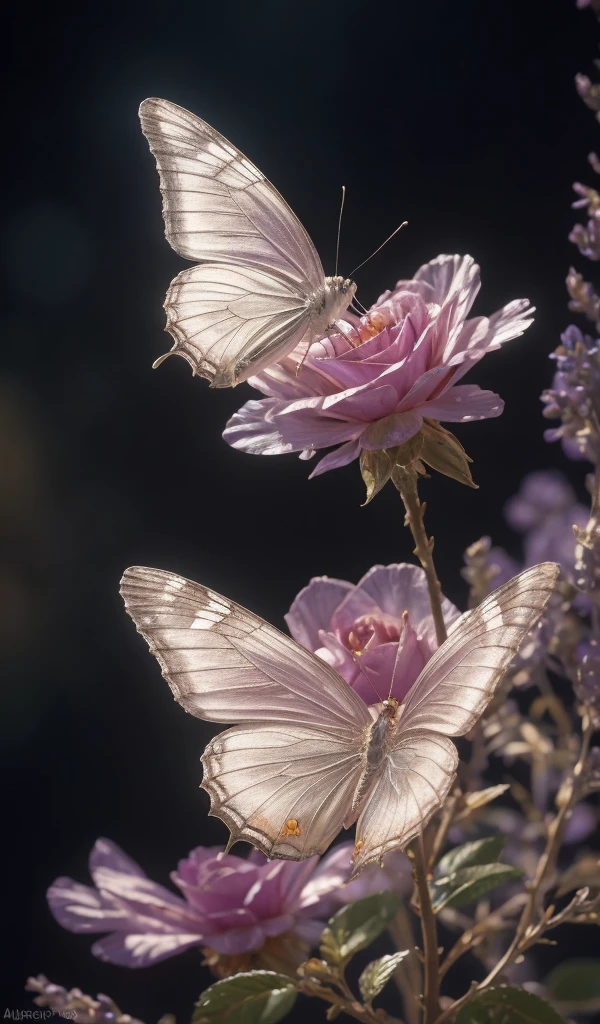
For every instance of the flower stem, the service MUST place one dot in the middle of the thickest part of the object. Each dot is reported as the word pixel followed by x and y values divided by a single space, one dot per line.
pixel 431 961
pixel 405 481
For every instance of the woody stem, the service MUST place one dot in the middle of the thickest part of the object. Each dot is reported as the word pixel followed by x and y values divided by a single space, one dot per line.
pixel 431 961
pixel 405 481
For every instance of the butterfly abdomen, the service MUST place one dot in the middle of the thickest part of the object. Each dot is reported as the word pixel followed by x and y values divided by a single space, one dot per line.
pixel 376 745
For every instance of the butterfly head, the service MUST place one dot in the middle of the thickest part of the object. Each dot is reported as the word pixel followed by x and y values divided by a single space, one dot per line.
pixel 339 292
pixel 390 707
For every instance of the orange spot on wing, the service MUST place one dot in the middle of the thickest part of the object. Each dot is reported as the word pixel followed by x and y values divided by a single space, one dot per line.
pixel 357 848
pixel 291 828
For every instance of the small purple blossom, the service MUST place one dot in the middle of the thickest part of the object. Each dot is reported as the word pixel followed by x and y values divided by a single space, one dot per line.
pixel 232 905
pixel 587 685
pixel 589 91
pixel 371 386
pixel 584 298
pixel 587 239
pixel 74 1005
pixel 574 397
pixel 375 634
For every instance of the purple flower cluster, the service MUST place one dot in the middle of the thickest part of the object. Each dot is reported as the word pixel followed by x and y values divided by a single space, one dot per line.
pixel 371 386
pixel 574 396
pixel 74 1005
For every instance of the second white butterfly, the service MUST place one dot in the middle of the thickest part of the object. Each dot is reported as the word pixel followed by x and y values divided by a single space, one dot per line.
pixel 260 289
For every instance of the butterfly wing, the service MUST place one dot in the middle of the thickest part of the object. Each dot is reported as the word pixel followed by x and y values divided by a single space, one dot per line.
pixel 229 322
pixel 414 781
pixel 458 682
pixel 447 699
pixel 225 664
pixel 218 206
pixel 284 788
pixel 299 754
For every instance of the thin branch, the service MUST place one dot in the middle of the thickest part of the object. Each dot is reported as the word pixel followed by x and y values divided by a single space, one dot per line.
pixel 429 932
pixel 405 481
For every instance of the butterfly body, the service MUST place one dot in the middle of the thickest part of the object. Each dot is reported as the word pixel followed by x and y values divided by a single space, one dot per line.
pixel 327 304
pixel 307 756
pixel 260 288
pixel 377 739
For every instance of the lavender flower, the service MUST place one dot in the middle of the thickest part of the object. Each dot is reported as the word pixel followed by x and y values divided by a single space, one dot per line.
pixel 74 1005
pixel 374 634
pixel 589 91
pixel 574 396
pixel 587 686
pixel 583 297
pixel 587 239
pixel 371 386
pixel 244 912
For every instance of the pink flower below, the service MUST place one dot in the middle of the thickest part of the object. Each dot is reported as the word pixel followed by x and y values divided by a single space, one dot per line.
pixel 372 385
pixel 232 905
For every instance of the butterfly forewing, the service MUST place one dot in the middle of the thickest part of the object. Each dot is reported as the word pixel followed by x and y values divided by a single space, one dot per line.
pixel 458 682
pixel 217 205
pixel 225 664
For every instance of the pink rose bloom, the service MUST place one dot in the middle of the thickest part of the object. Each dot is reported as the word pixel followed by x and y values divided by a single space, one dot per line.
pixel 372 385
pixel 378 635
pixel 232 905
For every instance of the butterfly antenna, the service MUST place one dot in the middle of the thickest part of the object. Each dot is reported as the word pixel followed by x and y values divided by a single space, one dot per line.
pixel 399 228
pixel 339 231
pixel 397 658
pixel 361 668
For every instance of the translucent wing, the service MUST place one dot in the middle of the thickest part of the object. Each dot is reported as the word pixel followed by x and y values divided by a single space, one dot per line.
pixel 415 779
pixel 225 664
pixel 217 206
pixel 458 682
pixel 228 322
pixel 285 789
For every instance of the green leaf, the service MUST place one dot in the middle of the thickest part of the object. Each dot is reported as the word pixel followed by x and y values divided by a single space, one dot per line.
pixel 483 851
pixel 505 1005
pixel 377 974
pixel 259 997
pixel 443 451
pixel 468 884
pixel 354 927
pixel 575 986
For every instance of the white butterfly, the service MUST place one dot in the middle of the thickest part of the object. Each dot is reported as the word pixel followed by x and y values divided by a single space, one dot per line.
pixel 260 289
pixel 308 756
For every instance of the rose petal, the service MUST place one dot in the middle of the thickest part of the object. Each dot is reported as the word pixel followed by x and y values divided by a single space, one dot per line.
pixel 463 403
pixel 142 950
pixel 249 430
pixel 313 609
pixel 391 431
pixel 340 457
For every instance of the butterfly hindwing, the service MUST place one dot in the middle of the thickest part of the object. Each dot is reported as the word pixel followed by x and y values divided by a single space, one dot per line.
pixel 225 319
pixel 285 790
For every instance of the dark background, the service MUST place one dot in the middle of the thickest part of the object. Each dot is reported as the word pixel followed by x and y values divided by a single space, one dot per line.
pixel 461 118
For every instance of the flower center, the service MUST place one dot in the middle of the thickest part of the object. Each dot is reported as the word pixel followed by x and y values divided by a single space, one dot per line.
pixel 370 631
